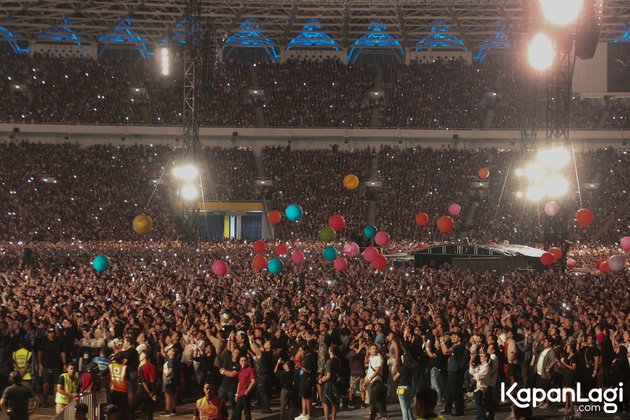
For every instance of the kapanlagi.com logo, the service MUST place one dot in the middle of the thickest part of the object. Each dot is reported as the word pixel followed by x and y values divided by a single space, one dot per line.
pixel 533 397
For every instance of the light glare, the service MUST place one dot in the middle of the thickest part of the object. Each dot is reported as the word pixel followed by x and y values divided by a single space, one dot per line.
pixel 556 186
pixel 561 12
pixel 518 172
pixel 534 171
pixel 540 52
pixel 186 172
pixel 189 192
pixel 165 60
pixel 556 158
pixel 535 193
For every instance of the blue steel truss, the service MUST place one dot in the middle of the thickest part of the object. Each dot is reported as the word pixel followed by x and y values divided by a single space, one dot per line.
pixel 60 33
pixel 125 33
pixel 313 37
pixel 498 40
pixel 250 36
pixel 440 37
pixel 376 39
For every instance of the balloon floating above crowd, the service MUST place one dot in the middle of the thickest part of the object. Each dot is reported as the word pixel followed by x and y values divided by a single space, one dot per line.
pixel 379 262
pixel 370 253
pixel 445 224
pixel 100 263
pixel 556 252
pixel 274 217
pixel 484 173
pixel 142 224
pixel 351 249
pixel 327 234
pixel 625 243
pixel 351 182
pixel 259 246
pixel 454 209
pixel 219 268
pixel 337 222
pixel 422 219
pixel 381 238
pixel 369 231
pixel 552 208
pixel 259 262
pixel 330 253
pixel 584 217
pixel 297 257
pixel 294 212
pixel 340 264
pixel 282 249
pixel 616 263
pixel 275 266
pixel 547 259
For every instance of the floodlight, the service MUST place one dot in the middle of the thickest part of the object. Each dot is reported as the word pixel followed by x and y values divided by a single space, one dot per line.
pixel 555 158
pixel 561 12
pixel 165 60
pixel 187 172
pixel 540 52
pixel 534 172
pixel 535 193
pixel 556 186
pixel 189 192
pixel 519 172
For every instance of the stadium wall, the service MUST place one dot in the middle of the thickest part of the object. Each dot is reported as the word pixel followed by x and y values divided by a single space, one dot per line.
pixel 299 138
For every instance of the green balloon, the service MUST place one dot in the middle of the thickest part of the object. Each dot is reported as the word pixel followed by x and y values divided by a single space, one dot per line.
pixel 327 234
pixel 330 253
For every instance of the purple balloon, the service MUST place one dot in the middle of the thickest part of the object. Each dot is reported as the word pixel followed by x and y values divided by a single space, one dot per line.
pixel 616 263
pixel 625 243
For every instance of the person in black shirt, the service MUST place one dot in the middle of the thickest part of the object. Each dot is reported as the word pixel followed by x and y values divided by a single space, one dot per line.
pixel 305 382
pixel 132 360
pixel 455 367
pixel 263 362
pixel 205 370
pixel 285 373
pixel 52 360
pixel 330 390
pixel 15 399
pixel 227 388
pixel 404 377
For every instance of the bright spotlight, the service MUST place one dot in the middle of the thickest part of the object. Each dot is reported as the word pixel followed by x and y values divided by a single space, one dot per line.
pixel 186 172
pixel 534 171
pixel 519 172
pixel 535 193
pixel 554 158
pixel 561 12
pixel 165 60
pixel 556 186
pixel 189 192
pixel 519 194
pixel 540 52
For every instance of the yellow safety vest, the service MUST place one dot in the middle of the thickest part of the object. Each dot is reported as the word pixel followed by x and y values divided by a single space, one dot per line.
pixel 118 377
pixel 71 386
pixel 22 358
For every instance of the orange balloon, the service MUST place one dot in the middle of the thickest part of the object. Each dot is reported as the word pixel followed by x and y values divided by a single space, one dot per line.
pixel 584 217
pixel 422 219
pixel 274 217
pixel 351 182
pixel 556 252
pixel 142 224
pixel 604 268
pixel 259 262
pixel 484 173
pixel 445 224
pixel 282 249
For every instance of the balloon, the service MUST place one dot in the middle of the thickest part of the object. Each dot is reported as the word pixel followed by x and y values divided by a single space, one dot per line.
pixel 275 265
pixel 350 182
pixel 259 262
pixel 445 224
pixel 454 209
pixel 327 234
pixel 282 249
pixel 351 249
pixel 259 246
pixel 219 268
pixel 142 224
pixel 337 222
pixel 340 264
pixel 552 208
pixel 330 253
pixel 379 262
pixel 599 262
pixel 369 231
pixel 584 217
pixel 274 217
pixel 381 238
pixel 294 212
pixel 423 246
pixel 422 219
pixel 297 257
pixel 547 259
pixel 616 263
pixel 100 263
pixel 370 253
pixel 604 268
pixel 484 173
pixel 571 263
pixel 625 243
pixel 556 252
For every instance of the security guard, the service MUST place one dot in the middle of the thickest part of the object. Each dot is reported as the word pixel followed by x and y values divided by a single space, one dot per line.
pixel 67 388
pixel 22 363
pixel 119 383
pixel 210 407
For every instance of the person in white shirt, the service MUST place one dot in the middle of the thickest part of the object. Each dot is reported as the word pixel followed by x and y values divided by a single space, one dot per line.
pixel 374 383
pixel 482 376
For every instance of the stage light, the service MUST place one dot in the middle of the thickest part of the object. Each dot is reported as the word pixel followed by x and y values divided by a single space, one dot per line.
pixel 540 52
pixel 189 192
pixel 519 194
pixel 534 172
pixel 535 193
pixel 519 172
pixel 187 172
pixel 556 186
pixel 561 12
pixel 165 60
pixel 556 158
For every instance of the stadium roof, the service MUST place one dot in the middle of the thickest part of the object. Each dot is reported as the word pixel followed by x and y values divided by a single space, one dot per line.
pixel 473 21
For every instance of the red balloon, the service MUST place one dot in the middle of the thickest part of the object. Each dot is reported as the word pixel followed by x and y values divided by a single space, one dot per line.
pixel 556 252
pixel 274 217
pixel 571 263
pixel 381 238
pixel 297 257
pixel 259 262
pixel 604 268
pixel 379 262
pixel 422 219
pixel 219 268
pixel 445 224
pixel 484 173
pixel 547 259
pixel 337 222
pixel 423 246
pixel 584 217
pixel 282 249
pixel 259 246
pixel 599 262
pixel 370 253
pixel 340 264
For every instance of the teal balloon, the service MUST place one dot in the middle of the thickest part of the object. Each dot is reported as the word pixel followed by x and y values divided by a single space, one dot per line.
pixel 330 253
pixel 100 263
pixel 294 212
pixel 275 265
pixel 369 231
pixel 326 234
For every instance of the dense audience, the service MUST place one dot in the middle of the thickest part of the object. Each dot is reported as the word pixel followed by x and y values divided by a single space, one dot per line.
pixel 443 94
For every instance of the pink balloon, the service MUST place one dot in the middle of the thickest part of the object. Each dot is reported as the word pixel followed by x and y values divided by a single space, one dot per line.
pixel 571 263
pixel 454 209
pixel 351 249
pixel 219 268
pixel 616 263
pixel 552 208
pixel 370 253
pixel 340 264
pixel 297 257
pixel 379 262
pixel 625 243
pixel 381 238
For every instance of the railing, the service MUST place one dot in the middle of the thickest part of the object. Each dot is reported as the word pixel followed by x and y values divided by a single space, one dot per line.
pixel 91 399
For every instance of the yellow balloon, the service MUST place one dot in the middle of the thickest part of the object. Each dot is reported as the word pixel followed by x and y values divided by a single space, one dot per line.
pixel 142 224
pixel 351 182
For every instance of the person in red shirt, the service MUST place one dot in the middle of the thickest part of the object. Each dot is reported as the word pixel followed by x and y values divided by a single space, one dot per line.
pixel 246 385
pixel 147 377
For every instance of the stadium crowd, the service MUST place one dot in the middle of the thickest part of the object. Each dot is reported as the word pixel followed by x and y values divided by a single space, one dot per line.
pixel 441 94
